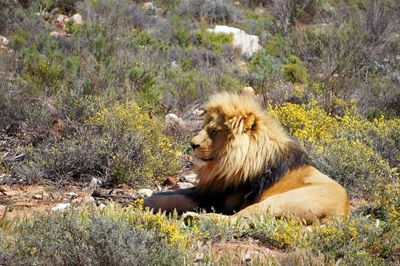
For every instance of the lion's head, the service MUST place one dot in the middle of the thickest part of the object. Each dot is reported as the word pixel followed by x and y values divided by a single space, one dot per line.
pixel 238 141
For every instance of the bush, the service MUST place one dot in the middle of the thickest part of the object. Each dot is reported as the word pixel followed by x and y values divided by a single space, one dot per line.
pixel 77 238
pixel 359 241
pixel 295 71
pixel 213 11
pixel 354 151
pixel 159 155
pixel 214 41
pixel 264 69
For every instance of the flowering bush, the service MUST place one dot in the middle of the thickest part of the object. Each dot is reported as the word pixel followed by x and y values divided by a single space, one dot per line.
pixel 159 153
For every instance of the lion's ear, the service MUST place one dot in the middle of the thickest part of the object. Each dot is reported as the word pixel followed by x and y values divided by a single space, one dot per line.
pixel 250 122
pixel 241 124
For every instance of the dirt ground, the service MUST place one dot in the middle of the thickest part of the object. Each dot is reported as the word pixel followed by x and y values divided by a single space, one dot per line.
pixel 26 200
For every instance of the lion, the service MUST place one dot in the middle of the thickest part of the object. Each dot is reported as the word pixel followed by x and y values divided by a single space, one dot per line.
pixel 248 166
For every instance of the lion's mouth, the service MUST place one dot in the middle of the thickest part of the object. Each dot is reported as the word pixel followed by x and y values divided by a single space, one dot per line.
pixel 201 159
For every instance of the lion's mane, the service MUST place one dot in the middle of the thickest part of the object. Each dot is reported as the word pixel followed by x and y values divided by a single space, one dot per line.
pixel 257 151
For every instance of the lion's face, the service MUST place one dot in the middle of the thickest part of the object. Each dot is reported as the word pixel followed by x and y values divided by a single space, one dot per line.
pixel 210 140
pixel 235 141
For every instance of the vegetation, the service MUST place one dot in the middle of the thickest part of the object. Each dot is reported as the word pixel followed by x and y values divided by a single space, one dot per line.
pixel 90 102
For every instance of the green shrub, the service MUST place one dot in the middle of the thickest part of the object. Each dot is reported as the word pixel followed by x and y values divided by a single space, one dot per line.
pixel 79 238
pixel 214 41
pixel 295 71
pixel 264 68
pixel 356 152
pixel 213 11
pixel 159 154
pixel 358 241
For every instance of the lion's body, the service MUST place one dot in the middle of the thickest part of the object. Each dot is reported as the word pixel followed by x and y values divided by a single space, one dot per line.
pixel 248 166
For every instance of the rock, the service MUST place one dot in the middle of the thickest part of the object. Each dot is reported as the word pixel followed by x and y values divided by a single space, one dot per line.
pixel 94 183
pixel 77 18
pixel 45 196
pixel 173 124
pixel 145 192
pixel 60 33
pixel 4 41
pixel 72 195
pixel 149 8
pixel 248 44
pixel 38 196
pixel 248 91
pixel 2 177
pixel 60 18
pixel 198 112
pixel 183 185
pixel 84 201
pixel 176 126
pixel 61 206
pixel 6 190
pixel 192 178
pixel 101 205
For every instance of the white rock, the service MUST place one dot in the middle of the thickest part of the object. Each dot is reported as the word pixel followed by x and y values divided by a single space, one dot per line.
pixel 172 118
pixel 60 18
pixel 94 183
pixel 248 44
pixel 61 206
pixel 150 8
pixel 102 205
pixel 72 195
pixel 38 196
pixel 77 18
pixel 58 33
pixel 198 112
pixel 4 41
pixel 183 185
pixel 145 192
pixel 248 91
pixel 84 201
pixel 192 178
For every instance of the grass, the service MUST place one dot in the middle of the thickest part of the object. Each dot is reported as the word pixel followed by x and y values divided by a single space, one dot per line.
pixel 112 80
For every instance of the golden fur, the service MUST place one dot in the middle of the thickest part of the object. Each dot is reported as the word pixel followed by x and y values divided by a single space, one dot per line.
pixel 253 141
pixel 247 165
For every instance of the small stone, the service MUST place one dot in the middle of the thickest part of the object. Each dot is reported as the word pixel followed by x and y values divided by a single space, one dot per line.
pixel 145 192
pixel 38 196
pixel 184 185
pixel 60 18
pixel 61 206
pixel 198 112
pixel 192 178
pixel 84 201
pixel 94 183
pixel 149 8
pixel 58 33
pixel 248 91
pixel 4 41
pixel 77 18
pixel 72 195
pixel 102 205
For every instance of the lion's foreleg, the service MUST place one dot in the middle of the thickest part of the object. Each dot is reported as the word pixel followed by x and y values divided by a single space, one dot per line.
pixel 180 200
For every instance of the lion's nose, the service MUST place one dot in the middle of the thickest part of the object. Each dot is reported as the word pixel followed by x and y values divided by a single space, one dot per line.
pixel 194 146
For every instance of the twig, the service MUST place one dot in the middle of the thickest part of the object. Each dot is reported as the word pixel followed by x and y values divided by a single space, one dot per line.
pixel 98 194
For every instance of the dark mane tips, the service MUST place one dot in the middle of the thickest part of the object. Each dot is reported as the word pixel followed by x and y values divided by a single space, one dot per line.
pixel 291 158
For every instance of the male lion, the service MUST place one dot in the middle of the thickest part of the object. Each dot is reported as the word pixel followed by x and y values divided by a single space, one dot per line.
pixel 247 166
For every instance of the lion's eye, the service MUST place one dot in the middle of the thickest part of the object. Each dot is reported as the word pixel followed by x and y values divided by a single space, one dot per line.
pixel 212 132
